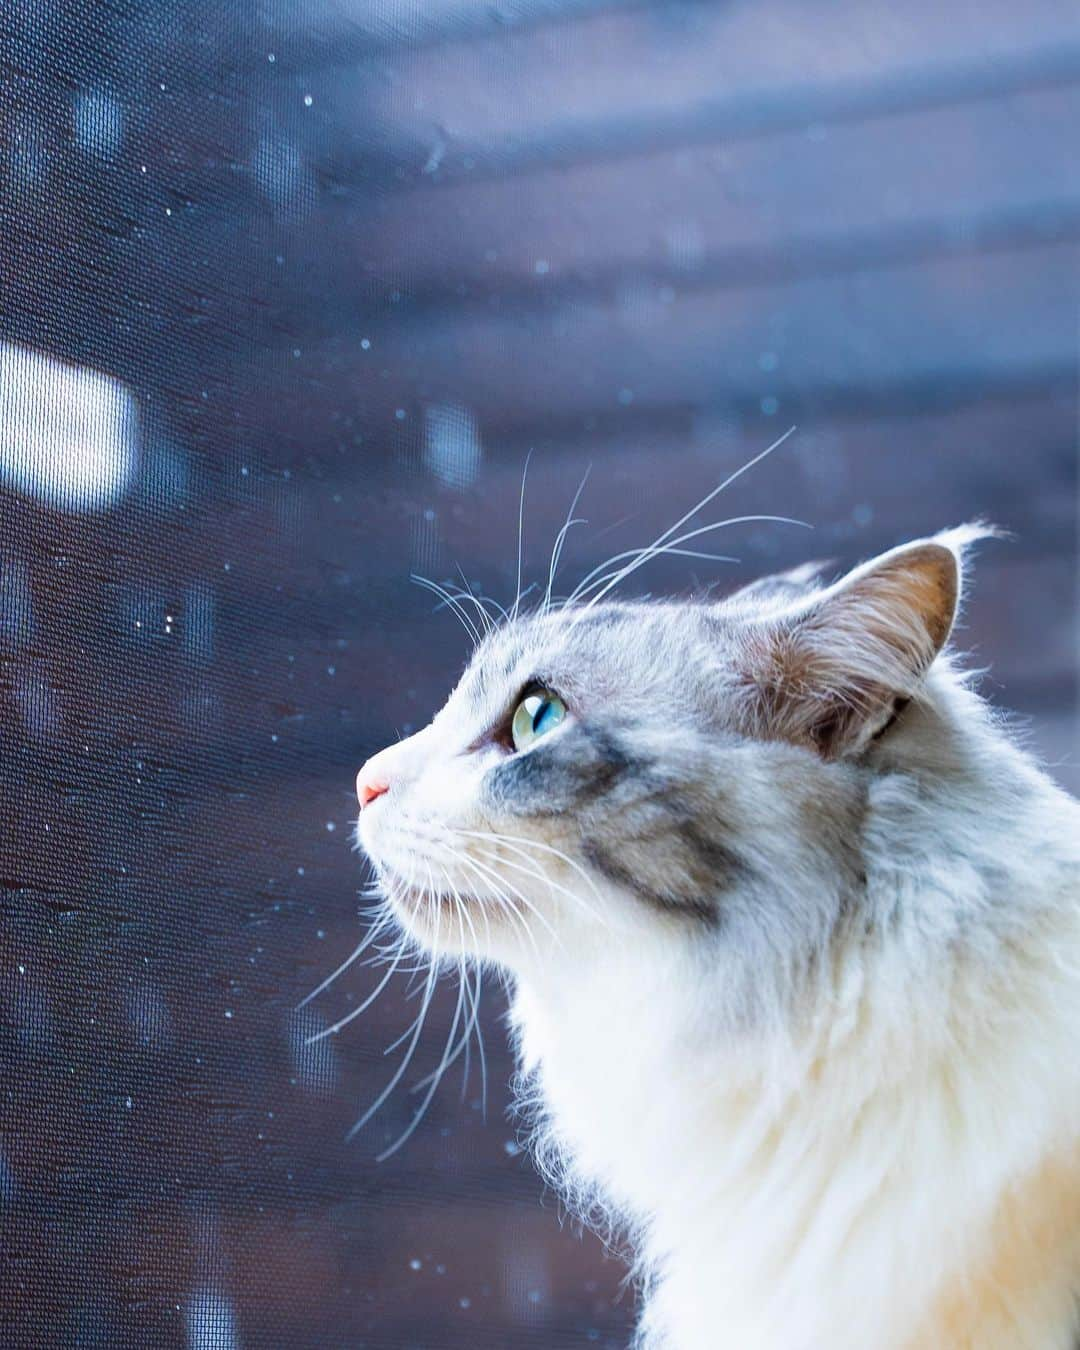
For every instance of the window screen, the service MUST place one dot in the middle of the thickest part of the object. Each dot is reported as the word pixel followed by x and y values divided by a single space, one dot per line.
pixel 291 291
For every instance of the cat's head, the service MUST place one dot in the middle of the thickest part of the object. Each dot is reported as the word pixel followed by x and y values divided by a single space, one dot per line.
pixel 649 772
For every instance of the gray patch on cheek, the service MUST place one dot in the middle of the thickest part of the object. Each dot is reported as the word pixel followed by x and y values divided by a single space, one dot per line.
pixel 639 827
pixel 565 777
pixel 712 857
pixel 637 884
pixel 660 850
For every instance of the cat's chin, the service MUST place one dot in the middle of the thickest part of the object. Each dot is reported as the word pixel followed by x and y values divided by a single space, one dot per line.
pixel 442 922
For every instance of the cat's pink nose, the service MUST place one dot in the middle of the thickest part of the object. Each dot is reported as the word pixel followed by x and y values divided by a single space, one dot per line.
pixel 393 764
pixel 371 781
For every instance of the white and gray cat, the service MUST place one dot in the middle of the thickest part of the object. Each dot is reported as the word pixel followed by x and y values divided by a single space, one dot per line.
pixel 793 931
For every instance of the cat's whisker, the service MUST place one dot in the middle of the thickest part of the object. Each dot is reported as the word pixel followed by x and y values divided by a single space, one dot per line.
pixel 415 1030
pixel 481 1053
pixel 436 1079
pixel 432 895
pixel 463 1044
pixel 496 872
pixel 476 999
pixel 504 613
pixel 480 1047
pixel 602 571
pixel 511 842
pixel 404 1036
pixel 545 604
pixel 522 840
pixel 333 1029
pixel 378 924
pixel 452 601
pixel 593 580
pixel 496 878
pixel 487 929
pixel 384 952
pixel 497 884
pixel 665 535
pixel 479 603
pixel 669 551
pixel 560 538
pixel 711 496
pixel 609 580
pixel 447 598
pixel 378 958
pixel 411 972
pixel 429 962
pixel 465 1035
pixel 484 600
pixel 469 594
pixel 470 1014
pixel 539 875
pixel 459 909
pixel 521 845
pixel 515 608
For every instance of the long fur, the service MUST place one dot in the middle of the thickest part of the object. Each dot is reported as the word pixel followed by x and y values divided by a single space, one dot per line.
pixel 793 927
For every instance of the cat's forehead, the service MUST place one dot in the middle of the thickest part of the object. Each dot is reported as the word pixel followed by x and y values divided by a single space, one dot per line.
pixel 538 645
pixel 547 646
pixel 597 651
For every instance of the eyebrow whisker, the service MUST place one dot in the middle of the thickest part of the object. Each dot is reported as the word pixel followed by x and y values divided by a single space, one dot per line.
pixel 452 601
pixel 560 539
pixel 521 537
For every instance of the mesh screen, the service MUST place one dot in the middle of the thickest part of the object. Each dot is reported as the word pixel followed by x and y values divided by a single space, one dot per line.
pixel 290 291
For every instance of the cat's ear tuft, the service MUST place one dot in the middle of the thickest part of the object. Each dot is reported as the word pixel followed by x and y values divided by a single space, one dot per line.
pixel 832 672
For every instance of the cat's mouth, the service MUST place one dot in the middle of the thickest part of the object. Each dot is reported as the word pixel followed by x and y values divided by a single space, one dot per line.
pixel 443 920
pixel 440 911
pixel 420 902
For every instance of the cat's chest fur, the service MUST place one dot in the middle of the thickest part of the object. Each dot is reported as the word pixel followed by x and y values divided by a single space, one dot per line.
pixel 902 1177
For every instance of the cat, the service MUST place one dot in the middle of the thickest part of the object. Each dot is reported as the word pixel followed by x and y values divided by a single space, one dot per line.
pixel 792 927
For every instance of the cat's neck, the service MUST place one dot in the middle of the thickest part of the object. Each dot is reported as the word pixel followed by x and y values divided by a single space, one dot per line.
pixel 846 1185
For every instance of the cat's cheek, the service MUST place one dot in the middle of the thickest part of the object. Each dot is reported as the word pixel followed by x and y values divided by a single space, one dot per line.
pixel 521 786
pixel 445 794
pixel 392 841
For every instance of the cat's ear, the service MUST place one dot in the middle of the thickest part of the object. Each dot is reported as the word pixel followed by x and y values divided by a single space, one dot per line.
pixel 780 587
pixel 832 671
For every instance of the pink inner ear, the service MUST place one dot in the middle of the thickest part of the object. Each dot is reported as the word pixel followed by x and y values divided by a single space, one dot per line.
pixel 915 590
pixel 828 676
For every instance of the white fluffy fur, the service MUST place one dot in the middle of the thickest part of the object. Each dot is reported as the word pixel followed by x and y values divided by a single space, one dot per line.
pixel 883 1153
pixel 825 1184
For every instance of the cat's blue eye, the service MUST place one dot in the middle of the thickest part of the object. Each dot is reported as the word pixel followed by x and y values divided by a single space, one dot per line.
pixel 539 712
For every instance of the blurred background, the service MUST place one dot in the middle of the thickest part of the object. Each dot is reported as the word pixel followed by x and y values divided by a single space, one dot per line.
pixel 289 293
